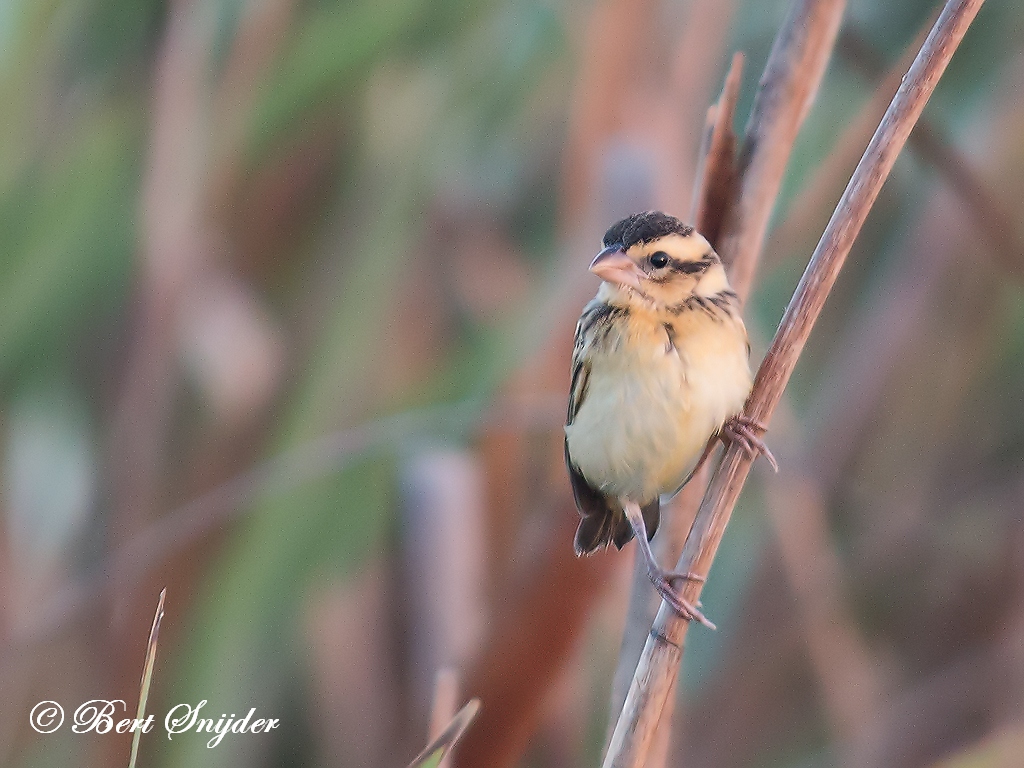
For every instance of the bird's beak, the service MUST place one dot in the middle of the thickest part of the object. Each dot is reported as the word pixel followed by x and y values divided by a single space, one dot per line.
pixel 613 266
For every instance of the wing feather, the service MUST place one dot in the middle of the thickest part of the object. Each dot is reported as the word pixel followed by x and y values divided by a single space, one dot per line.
pixel 602 522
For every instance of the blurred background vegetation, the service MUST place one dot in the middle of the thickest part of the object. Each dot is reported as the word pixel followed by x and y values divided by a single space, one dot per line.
pixel 287 289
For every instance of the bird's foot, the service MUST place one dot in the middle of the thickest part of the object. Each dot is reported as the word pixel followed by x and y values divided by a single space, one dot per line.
pixel 660 578
pixel 747 432
pixel 663 583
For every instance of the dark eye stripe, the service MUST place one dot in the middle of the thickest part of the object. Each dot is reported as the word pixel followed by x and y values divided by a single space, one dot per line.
pixel 694 267
pixel 680 267
pixel 690 267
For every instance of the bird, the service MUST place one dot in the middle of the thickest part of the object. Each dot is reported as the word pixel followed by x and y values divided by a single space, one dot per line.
pixel 660 373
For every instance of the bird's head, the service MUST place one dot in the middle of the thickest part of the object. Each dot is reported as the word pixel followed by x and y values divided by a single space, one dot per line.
pixel 660 259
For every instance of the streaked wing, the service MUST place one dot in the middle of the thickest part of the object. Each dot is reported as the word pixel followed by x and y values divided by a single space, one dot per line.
pixel 591 330
pixel 598 519
pixel 598 526
pixel 580 374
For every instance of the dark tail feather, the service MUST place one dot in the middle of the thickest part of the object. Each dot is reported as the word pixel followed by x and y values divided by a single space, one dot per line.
pixel 598 520
pixel 594 532
pixel 652 516
pixel 624 531
pixel 610 526
pixel 600 524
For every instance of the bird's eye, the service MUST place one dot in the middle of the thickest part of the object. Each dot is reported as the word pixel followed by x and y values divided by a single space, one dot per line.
pixel 659 259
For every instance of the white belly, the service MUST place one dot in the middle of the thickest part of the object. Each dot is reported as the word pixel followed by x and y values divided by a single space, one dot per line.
pixel 650 409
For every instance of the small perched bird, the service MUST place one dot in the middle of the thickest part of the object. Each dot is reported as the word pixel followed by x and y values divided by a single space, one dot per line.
pixel 659 372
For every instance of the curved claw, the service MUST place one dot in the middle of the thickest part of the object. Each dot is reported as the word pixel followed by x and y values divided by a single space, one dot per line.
pixel 747 432
pixel 676 601
pixel 660 578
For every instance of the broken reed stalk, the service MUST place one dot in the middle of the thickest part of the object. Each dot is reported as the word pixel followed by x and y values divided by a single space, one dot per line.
pixel 442 709
pixel 147 676
pixel 659 664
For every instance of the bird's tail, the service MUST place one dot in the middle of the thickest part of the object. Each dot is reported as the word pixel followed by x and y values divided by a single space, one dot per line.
pixel 602 527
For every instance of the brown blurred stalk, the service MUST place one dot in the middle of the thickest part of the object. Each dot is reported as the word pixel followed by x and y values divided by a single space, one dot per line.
pixel 787 88
pixel 846 673
pixel 659 664
pixel 698 55
pixel 443 508
pixel 809 211
pixel 542 609
pixel 171 252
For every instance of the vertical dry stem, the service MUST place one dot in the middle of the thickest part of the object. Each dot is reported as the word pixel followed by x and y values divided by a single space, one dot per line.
pixel 790 81
pixel 659 663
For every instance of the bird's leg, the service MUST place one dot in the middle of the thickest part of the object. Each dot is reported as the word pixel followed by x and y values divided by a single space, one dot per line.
pixel 661 578
pixel 747 432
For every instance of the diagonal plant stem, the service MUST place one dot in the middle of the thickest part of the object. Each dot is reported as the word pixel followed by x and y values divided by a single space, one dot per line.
pixel 147 675
pixel 659 663
pixel 995 220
